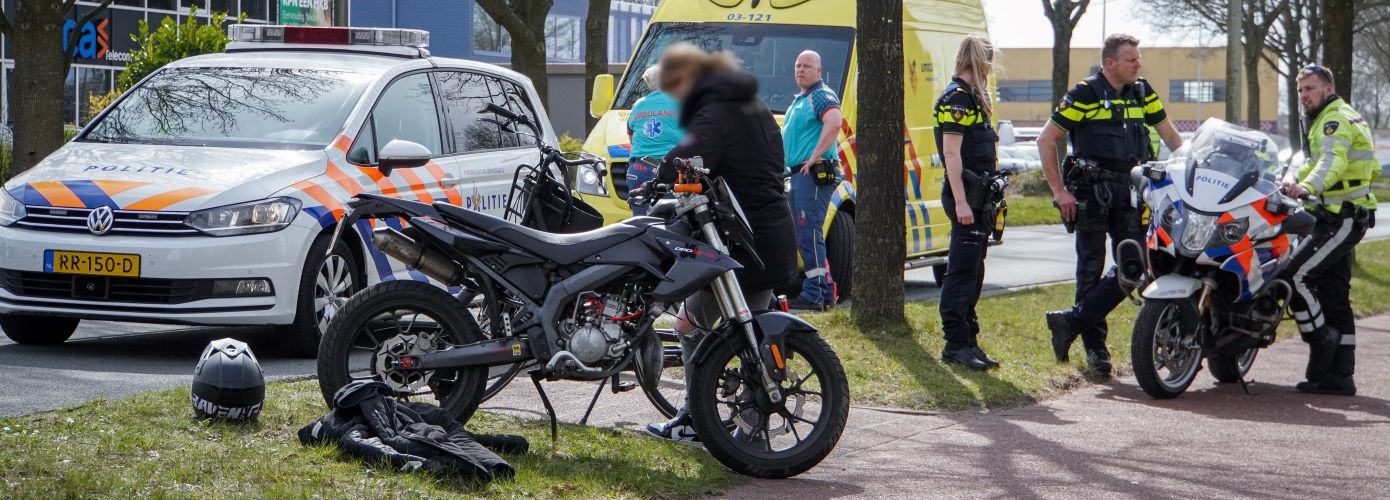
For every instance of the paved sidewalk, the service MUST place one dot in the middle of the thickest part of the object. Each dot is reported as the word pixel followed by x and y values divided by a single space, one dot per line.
pixel 1102 441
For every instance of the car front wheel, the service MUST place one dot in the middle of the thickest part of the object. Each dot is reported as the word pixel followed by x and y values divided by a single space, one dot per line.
pixel 37 330
pixel 329 279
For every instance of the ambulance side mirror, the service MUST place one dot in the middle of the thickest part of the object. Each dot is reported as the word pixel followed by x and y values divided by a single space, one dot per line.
pixel 602 100
pixel 401 154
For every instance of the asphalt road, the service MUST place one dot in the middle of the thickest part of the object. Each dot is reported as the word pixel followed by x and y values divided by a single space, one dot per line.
pixel 110 360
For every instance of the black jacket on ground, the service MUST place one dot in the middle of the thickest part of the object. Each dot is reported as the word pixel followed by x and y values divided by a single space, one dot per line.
pixel 733 131
pixel 367 422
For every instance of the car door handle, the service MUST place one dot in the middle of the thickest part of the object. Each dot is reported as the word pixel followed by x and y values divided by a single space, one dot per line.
pixel 450 181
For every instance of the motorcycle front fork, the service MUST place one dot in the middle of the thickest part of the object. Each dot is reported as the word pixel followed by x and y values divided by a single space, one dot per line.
pixel 729 295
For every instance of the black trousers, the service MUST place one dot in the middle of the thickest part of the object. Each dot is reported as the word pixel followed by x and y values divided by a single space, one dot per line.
pixel 1108 214
pixel 965 275
pixel 1321 277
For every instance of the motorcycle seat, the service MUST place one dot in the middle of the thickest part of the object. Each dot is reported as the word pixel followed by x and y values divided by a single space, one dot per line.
pixel 1300 223
pixel 562 249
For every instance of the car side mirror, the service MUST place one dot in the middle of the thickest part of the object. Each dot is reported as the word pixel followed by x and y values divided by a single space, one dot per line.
pixel 602 100
pixel 401 154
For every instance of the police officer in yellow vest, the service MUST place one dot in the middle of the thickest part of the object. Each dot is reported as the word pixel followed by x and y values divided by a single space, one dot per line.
pixel 1336 182
pixel 1108 116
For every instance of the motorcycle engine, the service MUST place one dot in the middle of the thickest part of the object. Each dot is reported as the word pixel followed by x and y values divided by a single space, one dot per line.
pixel 594 332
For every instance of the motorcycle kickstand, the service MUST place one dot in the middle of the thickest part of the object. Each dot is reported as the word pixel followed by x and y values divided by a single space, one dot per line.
pixel 618 387
pixel 1245 386
pixel 545 400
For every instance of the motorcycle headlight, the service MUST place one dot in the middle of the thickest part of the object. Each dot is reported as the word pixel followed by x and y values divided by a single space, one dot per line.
pixel 589 180
pixel 1197 231
pixel 11 210
pixel 263 216
pixel 1233 231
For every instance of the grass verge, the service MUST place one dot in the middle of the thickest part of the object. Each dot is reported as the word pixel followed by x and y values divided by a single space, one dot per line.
pixel 149 445
pixel 902 367
pixel 1032 211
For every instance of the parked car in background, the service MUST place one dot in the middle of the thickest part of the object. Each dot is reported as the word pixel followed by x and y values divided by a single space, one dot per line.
pixel 1021 156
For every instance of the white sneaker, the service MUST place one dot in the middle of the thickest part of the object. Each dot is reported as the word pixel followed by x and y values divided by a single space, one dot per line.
pixel 678 430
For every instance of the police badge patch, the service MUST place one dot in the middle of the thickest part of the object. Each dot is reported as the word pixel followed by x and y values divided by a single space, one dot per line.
pixel 1330 128
pixel 957 112
pixel 1064 103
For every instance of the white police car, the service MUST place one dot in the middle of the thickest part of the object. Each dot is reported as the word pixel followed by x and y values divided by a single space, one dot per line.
pixel 207 194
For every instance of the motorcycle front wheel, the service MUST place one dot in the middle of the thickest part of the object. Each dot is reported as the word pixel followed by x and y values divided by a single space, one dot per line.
pixel 1165 349
pixel 753 436
pixel 380 325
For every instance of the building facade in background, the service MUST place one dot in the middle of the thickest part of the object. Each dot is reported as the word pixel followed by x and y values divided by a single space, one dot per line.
pixel 104 46
pixel 461 29
pixel 1190 80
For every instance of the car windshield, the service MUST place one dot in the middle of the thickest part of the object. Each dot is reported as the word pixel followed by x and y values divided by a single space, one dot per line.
pixel 234 107
pixel 767 51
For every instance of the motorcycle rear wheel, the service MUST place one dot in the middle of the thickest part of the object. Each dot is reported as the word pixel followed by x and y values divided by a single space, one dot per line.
pixel 393 319
pixel 1165 341
pixel 735 421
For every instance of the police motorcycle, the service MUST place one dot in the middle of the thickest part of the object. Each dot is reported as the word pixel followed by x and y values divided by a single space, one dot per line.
pixel 768 397
pixel 1220 236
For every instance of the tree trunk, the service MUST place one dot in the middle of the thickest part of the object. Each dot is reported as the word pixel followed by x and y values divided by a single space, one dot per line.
pixel 595 51
pixel 528 55
pixel 1061 63
pixel 879 246
pixel 1234 61
pixel 40 70
pixel 1252 88
pixel 1337 34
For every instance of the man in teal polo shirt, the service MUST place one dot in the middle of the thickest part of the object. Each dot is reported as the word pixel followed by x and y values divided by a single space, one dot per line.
pixel 809 133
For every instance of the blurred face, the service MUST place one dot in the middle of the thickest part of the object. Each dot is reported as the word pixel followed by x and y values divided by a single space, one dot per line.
pixel 1313 92
pixel 1124 68
pixel 681 86
pixel 807 69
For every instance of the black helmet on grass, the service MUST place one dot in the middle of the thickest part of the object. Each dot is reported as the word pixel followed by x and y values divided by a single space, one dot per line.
pixel 228 382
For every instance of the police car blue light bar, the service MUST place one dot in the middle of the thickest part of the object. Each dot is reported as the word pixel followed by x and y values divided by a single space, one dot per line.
pixel 320 35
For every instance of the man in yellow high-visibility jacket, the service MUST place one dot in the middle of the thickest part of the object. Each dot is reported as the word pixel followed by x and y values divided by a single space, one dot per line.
pixel 1337 181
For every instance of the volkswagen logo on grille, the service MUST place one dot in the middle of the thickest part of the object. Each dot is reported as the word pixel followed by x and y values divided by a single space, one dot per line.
pixel 100 220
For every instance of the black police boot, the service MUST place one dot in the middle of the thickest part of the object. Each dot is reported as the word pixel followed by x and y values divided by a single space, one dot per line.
pixel 1059 322
pixel 1322 349
pixel 1099 360
pixel 1333 384
pixel 980 353
pixel 801 304
pixel 963 355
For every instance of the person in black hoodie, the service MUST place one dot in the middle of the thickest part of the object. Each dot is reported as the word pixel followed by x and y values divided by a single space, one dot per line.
pixel 738 139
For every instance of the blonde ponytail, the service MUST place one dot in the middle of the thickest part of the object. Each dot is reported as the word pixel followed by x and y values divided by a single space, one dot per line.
pixel 977 58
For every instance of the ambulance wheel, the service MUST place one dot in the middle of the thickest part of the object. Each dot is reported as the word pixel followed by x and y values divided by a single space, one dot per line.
pixel 325 285
pixel 839 250
pixel 37 330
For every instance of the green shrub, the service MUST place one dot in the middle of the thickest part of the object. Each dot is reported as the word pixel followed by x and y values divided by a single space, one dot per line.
pixel 69 131
pixel 171 42
pixel 1030 183
pixel 569 144
pixel 6 154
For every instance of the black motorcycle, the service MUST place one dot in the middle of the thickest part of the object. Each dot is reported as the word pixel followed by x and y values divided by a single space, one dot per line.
pixel 768 397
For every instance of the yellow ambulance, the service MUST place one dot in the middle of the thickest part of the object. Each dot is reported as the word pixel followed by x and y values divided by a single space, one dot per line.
pixel 767 35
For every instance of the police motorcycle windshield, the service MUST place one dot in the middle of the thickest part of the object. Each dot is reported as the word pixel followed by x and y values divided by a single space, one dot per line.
pixel 1223 168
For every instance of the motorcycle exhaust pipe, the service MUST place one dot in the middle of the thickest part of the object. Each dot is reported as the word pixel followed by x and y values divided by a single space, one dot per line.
pixel 1132 269
pixel 426 260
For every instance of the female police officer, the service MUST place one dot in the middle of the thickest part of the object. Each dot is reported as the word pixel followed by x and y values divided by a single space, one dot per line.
pixel 967 144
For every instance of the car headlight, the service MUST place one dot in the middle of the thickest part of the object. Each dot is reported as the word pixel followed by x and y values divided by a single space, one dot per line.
pixel 589 180
pixel 247 218
pixel 11 210
pixel 1197 231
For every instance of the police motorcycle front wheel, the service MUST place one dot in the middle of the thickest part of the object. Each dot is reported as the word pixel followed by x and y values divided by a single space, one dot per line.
pixel 379 327
pixel 1166 347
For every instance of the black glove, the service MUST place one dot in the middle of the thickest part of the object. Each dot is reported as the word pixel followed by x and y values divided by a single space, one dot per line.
pixel 640 191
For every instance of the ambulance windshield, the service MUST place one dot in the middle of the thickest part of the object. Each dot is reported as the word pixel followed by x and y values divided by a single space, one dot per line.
pixel 768 51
